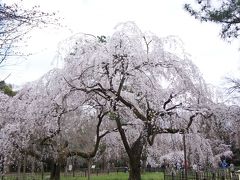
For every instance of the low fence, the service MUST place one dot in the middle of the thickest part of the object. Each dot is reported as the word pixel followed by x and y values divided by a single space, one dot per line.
pixel 201 175
pixel 168 174
pixel 67 174
pixel 95 171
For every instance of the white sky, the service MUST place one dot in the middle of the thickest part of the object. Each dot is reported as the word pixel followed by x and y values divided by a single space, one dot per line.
pixel 215 57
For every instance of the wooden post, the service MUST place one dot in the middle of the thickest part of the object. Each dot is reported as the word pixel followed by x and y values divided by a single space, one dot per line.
pixel 42 171
pixel 214 175
pixel 89 168
pixel 73 166
pixel 33 166
pixel 185 156
pixel 19 169
pixel 197 176
pixel 24 165
pixel 2 166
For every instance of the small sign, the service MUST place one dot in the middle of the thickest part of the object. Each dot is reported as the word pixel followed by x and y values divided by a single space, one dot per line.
pixel 70 167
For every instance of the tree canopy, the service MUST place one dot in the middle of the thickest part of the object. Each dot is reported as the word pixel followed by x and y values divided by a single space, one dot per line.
pixel 136 86
pixel 147 87
pixel 7 89
pixel 15 22
pixel 226 13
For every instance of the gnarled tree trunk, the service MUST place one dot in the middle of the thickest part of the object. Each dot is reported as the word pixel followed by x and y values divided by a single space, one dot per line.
pixel 55 170
pixel 134 152
pixel 135 169
pixel 135 159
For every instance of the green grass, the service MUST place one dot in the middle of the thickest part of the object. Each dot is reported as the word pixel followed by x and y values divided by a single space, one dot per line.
pixel 119 176
pixel 110 176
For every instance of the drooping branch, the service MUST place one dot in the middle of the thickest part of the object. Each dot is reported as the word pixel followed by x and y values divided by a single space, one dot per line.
pixel 123 135
pixel 168 101
pixel 59 117
pixel 234 85
pixel 99 136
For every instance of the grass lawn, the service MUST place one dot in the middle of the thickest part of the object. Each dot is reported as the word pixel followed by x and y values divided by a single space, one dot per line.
pixel 119 176
pixel 111 176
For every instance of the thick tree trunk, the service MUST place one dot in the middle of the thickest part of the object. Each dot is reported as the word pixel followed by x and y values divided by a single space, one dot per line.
pixel 134 152
pixel 55 171
pixel 135 169
pixel 135 159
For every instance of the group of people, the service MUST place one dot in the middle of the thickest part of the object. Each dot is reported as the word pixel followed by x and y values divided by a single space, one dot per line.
pixel 223 164
pixel 178 165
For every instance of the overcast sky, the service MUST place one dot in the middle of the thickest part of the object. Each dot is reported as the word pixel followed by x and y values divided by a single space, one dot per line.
pixel 215 57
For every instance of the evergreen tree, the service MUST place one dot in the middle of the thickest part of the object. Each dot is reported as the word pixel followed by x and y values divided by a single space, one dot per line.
pixel 7 89
pixel 226 13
